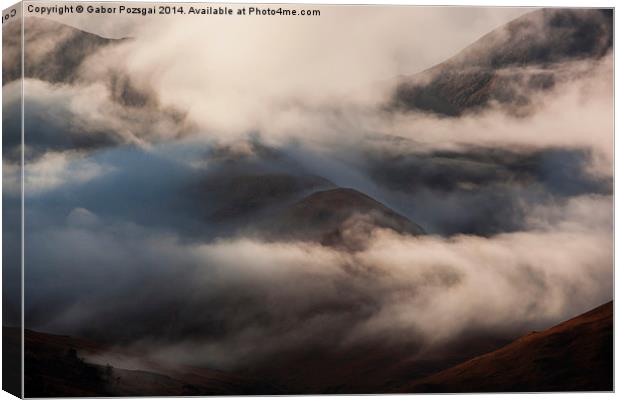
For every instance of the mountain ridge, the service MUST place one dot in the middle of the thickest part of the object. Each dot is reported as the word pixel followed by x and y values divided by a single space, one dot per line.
pixel 575 355
pixel 497 68
pixel 341 217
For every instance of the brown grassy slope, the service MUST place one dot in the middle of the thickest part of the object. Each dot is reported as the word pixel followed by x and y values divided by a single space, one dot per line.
pixel 576 355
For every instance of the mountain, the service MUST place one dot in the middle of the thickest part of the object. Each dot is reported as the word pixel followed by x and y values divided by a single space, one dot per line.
pixel 335 217
pixel 60 61
pixel 576 355
pixel 260 191
pixel 239 195
pixel 511 64
pixel 54 51
pixel 293 206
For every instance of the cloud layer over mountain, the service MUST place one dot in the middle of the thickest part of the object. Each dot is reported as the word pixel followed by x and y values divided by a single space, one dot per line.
pixel 128 202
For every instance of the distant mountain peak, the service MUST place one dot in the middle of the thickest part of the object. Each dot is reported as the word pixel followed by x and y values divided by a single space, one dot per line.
pixel 341 217
pixel 542 37
pixel 499 67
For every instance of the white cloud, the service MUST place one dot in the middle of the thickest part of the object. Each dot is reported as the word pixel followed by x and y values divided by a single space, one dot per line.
pixel 50 172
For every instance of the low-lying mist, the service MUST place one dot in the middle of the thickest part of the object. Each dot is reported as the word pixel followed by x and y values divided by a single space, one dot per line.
pixel 233 302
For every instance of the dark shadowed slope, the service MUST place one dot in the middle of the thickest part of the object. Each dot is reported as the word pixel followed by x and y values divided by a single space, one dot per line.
pixel 340 215
pixel 239 195
pixel 60 366
pixel 265 194
pixel 575 355
pixel 377 367
pixel 511 64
